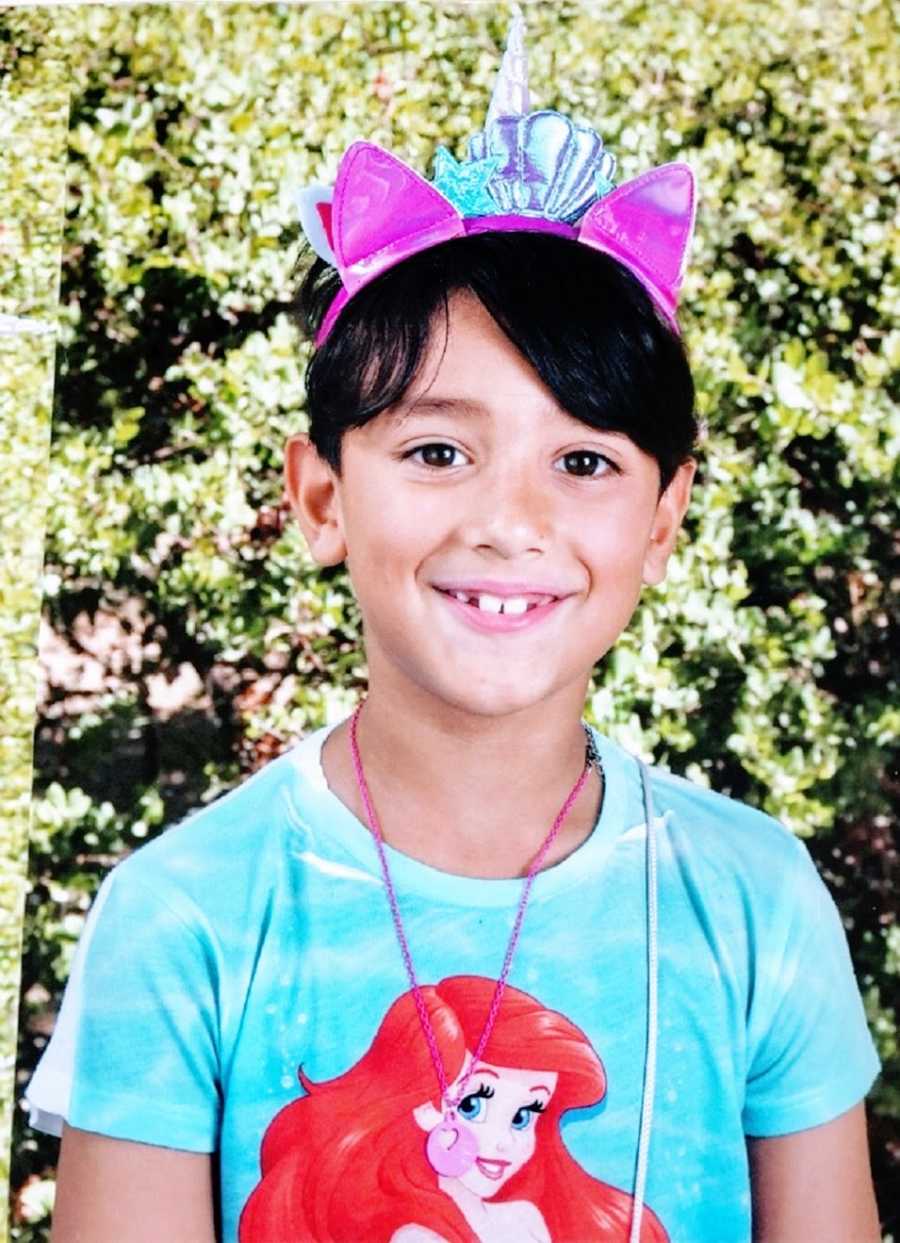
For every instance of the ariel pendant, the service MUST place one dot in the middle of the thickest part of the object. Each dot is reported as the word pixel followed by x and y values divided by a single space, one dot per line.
pixel 451 1148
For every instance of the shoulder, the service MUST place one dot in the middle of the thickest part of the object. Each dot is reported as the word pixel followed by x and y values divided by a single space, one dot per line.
pixel 235 842
pixel 521 1219
pixel 415 1234
pixel 719 847
pixel 734 846
pixel 711 815
pixel 694 817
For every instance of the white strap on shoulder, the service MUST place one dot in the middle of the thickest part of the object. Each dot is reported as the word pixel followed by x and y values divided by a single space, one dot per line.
pixel 649 1087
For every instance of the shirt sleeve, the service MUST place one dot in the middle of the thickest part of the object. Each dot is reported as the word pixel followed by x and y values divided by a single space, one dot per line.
pixel 134 1054
pixel 811 1057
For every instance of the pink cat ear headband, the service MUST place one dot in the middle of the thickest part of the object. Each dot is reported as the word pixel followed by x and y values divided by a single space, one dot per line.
pixel 525 171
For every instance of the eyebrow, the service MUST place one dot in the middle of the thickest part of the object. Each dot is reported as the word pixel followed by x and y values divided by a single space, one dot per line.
pixel 471 407
pixel 483 1070
pixel 467 406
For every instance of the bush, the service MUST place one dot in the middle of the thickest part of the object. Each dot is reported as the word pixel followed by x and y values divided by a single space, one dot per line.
pixel 32 138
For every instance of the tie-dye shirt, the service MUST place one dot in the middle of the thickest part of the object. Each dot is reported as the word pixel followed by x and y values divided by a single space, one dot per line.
pixel 246 961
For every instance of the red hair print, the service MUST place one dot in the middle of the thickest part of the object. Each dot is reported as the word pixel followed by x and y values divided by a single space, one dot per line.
pixel 347 1161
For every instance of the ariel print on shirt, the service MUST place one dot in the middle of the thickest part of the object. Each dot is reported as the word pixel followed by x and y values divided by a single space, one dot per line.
pixel 347 1161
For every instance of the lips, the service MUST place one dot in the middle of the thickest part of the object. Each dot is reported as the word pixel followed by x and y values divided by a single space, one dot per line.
pixel 508 605
pixel 493 606
pixel 494 1170
pixel 503 589
pixel 490 621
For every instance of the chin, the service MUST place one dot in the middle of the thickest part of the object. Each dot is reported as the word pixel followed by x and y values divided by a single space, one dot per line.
pixel 497 692
pixel 482 1187
pixel 492 701
pixel 476 688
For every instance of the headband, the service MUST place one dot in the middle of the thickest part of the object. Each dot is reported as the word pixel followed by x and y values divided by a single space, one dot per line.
pixel 525 172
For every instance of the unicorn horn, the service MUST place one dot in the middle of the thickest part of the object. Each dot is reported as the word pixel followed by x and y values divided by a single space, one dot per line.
pixel 510 97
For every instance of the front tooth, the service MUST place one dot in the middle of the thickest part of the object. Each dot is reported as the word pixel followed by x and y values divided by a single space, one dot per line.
pixel 489 604
pixel 515 604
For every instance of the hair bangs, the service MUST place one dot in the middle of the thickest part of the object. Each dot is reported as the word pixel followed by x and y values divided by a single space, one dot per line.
pixel 584 322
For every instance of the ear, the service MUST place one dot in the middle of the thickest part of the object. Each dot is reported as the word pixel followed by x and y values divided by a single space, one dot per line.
pixel 426 1116
pixel 313 489
pixel 670 511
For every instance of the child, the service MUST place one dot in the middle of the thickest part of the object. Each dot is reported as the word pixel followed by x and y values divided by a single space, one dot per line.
pixel 289 1018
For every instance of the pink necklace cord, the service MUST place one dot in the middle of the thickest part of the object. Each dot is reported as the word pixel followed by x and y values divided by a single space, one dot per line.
pixel 536 865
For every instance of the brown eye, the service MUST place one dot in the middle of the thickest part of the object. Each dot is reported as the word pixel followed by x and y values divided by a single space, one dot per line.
pixel 584 463
pixel 438 455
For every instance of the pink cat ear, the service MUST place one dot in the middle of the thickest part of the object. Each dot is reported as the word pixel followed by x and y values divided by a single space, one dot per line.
pixel 647 224
pixel 383 212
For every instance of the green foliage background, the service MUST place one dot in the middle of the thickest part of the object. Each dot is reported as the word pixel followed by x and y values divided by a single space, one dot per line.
pixel 190 637
pixel 33 117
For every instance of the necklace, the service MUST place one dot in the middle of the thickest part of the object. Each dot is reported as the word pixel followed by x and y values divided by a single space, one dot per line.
pixel 451 1148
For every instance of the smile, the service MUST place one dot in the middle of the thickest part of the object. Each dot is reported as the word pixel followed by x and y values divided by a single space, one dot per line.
pixel 509 606
pixel 493 613
pixel 492 1169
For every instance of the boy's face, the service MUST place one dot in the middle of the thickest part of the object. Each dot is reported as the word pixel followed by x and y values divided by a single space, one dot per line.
pixel 481 487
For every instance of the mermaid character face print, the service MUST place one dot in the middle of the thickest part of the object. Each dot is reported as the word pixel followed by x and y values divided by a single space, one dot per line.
pixel 500 1109
pixel 347 1160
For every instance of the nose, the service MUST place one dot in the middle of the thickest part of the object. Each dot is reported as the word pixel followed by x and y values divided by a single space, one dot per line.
pixel 508 513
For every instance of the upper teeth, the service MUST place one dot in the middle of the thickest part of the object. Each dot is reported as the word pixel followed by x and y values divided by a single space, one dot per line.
pixel 495 604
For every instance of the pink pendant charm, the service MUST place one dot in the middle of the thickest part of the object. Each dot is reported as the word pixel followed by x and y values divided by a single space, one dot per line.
pixel 451 1148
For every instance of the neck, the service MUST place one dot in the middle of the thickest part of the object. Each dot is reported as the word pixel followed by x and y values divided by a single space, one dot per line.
pixel 472 1207
pixel 472 795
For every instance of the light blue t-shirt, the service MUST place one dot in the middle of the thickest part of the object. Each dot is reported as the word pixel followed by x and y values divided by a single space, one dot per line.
pixel 254 941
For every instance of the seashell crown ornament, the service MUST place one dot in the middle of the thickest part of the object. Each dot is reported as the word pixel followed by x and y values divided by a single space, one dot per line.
pixel 525 172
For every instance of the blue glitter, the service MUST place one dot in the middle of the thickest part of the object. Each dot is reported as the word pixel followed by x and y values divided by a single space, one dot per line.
pixel 465 185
